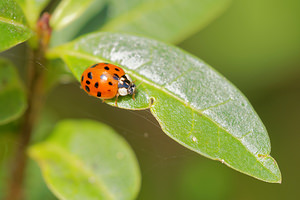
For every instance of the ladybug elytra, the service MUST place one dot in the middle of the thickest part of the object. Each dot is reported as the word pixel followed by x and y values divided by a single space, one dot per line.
pixel 106 81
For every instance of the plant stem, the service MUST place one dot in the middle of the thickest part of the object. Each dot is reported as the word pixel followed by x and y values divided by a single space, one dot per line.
pixel 35 99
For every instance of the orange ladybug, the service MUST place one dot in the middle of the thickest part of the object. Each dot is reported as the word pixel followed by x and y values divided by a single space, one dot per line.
pixel 106 81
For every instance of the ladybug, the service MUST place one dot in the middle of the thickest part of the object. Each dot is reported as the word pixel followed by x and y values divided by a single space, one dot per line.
pixel 106 81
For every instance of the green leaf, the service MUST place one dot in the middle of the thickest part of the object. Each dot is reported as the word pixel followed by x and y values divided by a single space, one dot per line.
pixel 32 9
pixel 13 28
pixel 69 10
pixel 89 158
pixel 167 20
pixel 194 104
pixel 12 95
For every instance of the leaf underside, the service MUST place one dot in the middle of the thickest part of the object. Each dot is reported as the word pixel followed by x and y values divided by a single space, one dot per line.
pixel 194 104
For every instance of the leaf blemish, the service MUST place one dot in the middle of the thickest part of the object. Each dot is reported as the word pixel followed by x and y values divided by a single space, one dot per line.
pixel 194 139
pixel 262 156
pixel 152 101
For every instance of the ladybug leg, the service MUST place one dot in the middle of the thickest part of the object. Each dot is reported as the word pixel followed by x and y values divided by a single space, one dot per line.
pixel 117 100
pixel 133 96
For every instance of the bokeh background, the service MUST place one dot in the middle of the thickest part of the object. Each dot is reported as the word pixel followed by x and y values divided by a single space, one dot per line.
pixel 256 45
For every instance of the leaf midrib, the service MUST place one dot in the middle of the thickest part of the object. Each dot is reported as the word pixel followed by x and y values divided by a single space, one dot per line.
pixel 145 80
pixel 81 166
pixel 12 22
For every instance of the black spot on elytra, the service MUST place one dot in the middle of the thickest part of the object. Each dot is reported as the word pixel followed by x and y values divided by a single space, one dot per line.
pixel 81 78
pixel 106 68
pixel 93 65
pixel 117 69
pixel 87 88
pixel 88 82
pixel 96 85
pixel 110 83
pixel 98 94
pixel 90 76
pixel 108 90
pixel 116 75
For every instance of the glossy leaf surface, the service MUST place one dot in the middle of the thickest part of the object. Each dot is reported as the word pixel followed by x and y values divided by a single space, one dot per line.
pixel 89 158
pixel 13 28
pixel 12 95
pixel 194 104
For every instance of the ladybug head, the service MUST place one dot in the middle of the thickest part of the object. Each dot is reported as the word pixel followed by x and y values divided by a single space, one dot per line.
pixel 126 85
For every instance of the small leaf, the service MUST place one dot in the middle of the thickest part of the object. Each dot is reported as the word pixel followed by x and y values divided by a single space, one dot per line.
pixel 167 20
pixel 68 19
pixel 32 9
pixel 12 95
pixel 194 104
pixel 69 10
pixel 89 158
pixel 13 28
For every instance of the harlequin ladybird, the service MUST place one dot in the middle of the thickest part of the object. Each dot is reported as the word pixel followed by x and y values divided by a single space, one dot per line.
pixel 106 81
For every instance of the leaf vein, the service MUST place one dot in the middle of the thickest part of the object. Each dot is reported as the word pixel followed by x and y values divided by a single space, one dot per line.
pixel 179 76
pixel 193 123
pixel 12 22
pixel 216 105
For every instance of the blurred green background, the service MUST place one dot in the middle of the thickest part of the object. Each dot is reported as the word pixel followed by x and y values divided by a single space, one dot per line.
pixel 256 45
